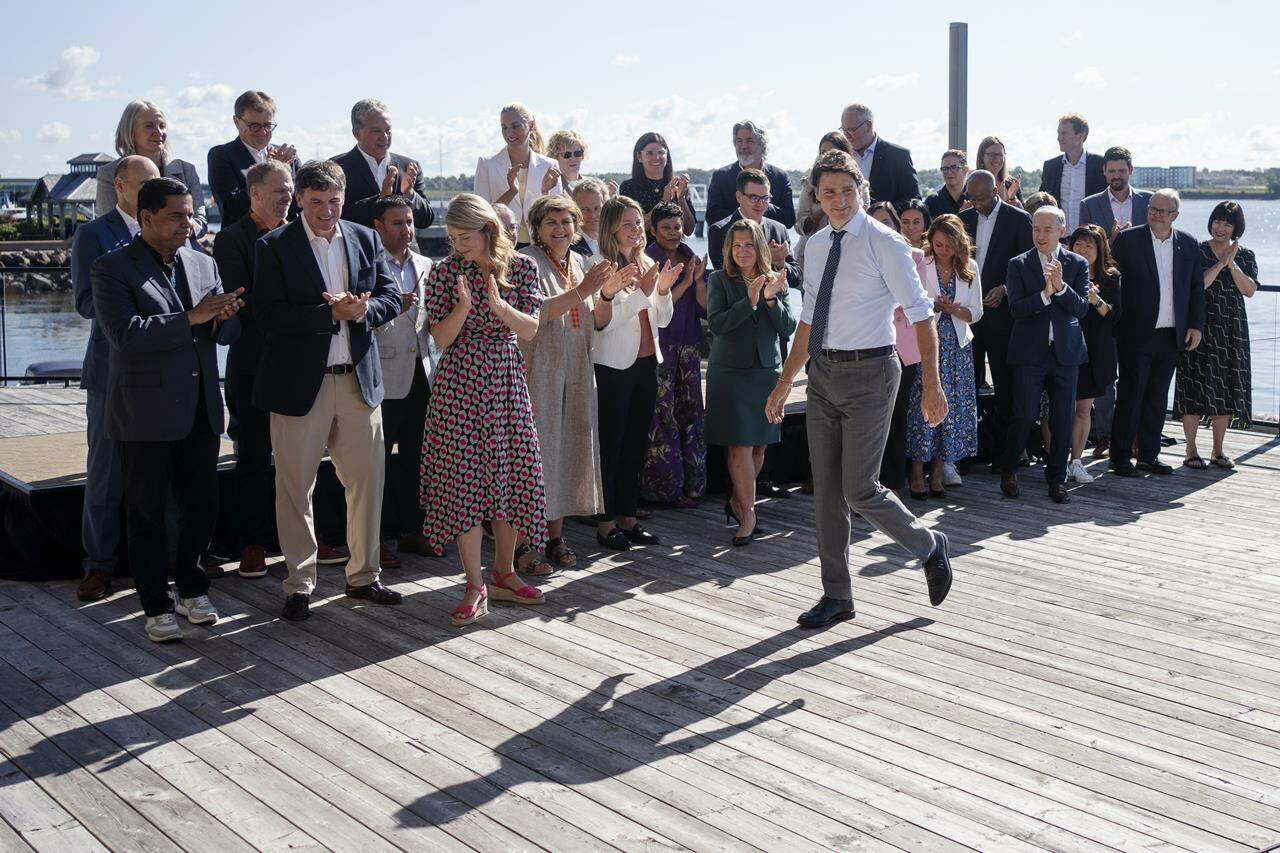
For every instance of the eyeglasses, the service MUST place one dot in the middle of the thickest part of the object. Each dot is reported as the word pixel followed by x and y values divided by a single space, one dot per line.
pixel 758 199
pixel 1160 211
pixel 575 154
pixel 946 170
pixel 258 126
pixel 850 131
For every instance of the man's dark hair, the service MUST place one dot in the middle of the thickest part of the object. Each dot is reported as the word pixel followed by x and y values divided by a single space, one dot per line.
pixel 664 210
pixel 836 163
pixel 320 175
pixel 752 176
pixel 1117 152
pixel 382 205
pixel 154 194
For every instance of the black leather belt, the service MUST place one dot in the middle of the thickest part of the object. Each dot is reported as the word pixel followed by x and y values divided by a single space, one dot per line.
pixel 340 369
pixel 858 354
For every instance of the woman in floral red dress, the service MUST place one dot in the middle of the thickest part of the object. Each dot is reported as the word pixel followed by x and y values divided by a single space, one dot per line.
pixel 480 451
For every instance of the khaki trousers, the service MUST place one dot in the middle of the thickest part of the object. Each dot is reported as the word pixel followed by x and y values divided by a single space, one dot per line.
pixel 339 420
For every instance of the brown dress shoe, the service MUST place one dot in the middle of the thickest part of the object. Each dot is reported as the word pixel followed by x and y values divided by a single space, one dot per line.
pixel 95 585
pixel 416 543
pixel 1009 485
pixel 328 555
pixel 1058 494
pixel 387 558
pixel 1100 450
pixel 253 562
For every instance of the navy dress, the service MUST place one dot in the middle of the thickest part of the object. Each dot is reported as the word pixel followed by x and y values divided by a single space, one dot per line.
pixel 956 437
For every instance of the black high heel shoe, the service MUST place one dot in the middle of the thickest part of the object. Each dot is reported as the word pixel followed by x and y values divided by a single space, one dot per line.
pixel 919 496
pixel 730 517
pixel 740 541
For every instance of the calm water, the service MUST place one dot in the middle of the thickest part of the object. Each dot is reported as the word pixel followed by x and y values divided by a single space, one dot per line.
pixel 46 327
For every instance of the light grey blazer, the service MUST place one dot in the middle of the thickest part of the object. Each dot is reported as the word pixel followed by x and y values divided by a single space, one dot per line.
pixel 179 170
pixel 406 339
pixel 1096 209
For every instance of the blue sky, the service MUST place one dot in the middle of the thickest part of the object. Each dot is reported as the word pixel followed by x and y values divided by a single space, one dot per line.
pixel 1178 83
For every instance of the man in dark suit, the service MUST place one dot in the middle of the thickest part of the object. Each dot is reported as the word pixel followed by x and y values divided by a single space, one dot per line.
pixel 100 524
pixel 373 172
pixel 1048 293
pixel 255 120
pixel 320 287
pixel 163 310
pixel 751 144
pixel 1163 314
pixel 999 233
pixel 1119 206
pixel 1077 173
pixel 887 166
pixel 753 196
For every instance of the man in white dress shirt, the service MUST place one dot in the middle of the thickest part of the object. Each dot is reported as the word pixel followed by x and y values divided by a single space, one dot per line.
pixel 255 120
pixel 856 272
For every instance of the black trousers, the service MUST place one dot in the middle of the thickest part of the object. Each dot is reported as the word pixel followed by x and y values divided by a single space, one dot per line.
pixel 626 402
pixel 893 467
pixel 188 467
pixel 1142 396
pixel 255 482
pixel 996 348
pixel 1030 379
pixel 403 423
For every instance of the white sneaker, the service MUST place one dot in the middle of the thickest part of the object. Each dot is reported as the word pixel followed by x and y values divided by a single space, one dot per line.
pixel 198 610
pixel 1077 472
pixel 163 628
pixel 950 476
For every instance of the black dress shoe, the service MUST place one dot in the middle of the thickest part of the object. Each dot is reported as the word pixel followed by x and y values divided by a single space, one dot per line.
pixel 1009 485
pixel 771 490
pixel 1058 494
pixel 639 536
pixel 296 607
pixel 1155 466
pixel 598 518
pixel 376 592
pixel 937 570
pixel 614 539
pixel 1123 469
pixel 825 612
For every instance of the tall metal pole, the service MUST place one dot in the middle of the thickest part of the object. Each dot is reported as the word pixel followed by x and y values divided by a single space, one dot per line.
pixel 958 95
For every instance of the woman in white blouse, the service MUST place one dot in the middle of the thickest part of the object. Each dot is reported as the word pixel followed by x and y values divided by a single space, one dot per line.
pixel 626 356
pixel 518 174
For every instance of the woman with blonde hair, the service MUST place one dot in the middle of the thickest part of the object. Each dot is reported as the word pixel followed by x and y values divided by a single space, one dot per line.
pixel 143 130
pixel 568 149
pixel 518 174
pixel 951 278
pixel 748 313
pixel 481 460
pixel 626 356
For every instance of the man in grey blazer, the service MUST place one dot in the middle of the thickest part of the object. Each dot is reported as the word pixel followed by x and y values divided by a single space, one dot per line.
pixel 103 486
pixel 1119 206
pixel 163 311
pixel 405 350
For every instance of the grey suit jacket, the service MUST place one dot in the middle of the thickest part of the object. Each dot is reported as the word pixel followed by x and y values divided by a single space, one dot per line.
pixel 1096 209
pixel 160 363
pixel 179 170
pixel 93 240
pixel 406 338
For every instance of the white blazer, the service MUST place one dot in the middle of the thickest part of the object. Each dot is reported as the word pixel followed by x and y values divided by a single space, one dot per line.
pixel 491 181
pixel 618 343
pixel 968 295
pixel 407 338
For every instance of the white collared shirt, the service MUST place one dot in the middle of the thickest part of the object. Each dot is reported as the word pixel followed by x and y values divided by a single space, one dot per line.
pixel 379 169
pixel 129 222
pixel 876 274
pixel 1121 210
pixel 331 256
pixel 986 225
pixel 1164 269
pixel 1073 184
pixel 866 158
pixel 259 155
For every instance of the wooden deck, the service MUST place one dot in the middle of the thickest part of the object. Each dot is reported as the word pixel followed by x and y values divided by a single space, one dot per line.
pixel 1105 675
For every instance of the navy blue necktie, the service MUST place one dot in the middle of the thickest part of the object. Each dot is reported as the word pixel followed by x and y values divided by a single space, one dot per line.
pixel 822 303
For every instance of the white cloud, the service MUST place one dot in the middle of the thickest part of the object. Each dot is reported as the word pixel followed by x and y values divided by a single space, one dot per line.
pixel 53 132
pixel 625 59
pixel 210 95
pixel 1071 39
pixel 1091 76
pixel 69 77
pixel 892 81
pixel 10 135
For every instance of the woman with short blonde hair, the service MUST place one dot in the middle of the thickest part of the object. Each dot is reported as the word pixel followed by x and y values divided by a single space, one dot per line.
pixel 144 131
pixel 569 150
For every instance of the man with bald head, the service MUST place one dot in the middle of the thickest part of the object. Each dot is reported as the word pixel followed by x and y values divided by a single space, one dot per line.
pixel 103 488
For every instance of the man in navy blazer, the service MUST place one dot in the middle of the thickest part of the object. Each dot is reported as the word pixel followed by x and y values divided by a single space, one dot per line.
pixel 100 525
pixel 255 117
pixel 1163 314
pixel 1119 206
pixel 1085 178
pixel 1048 290
pixel 750 144
pixel 320 287
pixel 161 306
pixel 888 167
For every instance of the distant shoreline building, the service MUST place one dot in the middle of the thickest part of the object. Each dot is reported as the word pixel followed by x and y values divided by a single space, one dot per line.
pixel 1159 177
pixel 57 201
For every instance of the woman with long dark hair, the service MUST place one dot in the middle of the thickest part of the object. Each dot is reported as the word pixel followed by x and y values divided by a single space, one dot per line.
pixel 653 179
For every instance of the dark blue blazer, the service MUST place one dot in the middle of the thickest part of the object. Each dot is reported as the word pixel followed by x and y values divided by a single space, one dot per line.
pixel 1136 259
pixel 1051 176
pixel 893 175
pixel 160 363
pixel 722 194
pixel 362 190
pixel 1029 339
pixel 298 323
pixel 227 165
pixel 93 240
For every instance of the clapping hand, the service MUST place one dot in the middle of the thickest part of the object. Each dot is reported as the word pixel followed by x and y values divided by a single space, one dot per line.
pixel 462 292
pixel 216 306
pixel 596 278
pixel 1095 298
pixel 993 297
pixel 695 268
pixel 497 304
pixel 550 179
pixel 282 152
pixel 1116 228
pixel 668 276
pixel 1229 256
pixel 1053 278
pixel 775 285
pixel 389 182
pixel 943 304
pixel 512 174
pixel 777 253
pixel 411 173
pixel 613 187
pixel 619 279
pixel 347 305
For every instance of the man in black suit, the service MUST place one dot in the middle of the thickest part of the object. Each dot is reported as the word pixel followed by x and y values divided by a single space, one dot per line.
pixel 320 288
pixel 1048 293
pixel 750 143
pixel 162 308
pixel 999 233
pixel 255 119
pixel 1075 175
pixel 1163 314
pixel 753 197
pixel 887 166
pixel 373 172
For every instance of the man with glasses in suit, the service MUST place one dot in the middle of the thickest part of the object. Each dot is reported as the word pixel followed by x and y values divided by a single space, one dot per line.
pixel 255 120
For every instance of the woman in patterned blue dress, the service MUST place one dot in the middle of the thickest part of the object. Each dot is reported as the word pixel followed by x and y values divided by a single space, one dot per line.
pixel 951 278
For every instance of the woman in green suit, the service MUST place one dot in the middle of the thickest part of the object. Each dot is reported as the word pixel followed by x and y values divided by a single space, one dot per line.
pixel 748 314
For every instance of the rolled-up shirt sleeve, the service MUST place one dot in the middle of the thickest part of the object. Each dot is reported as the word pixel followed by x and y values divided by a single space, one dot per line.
pixel 899 271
